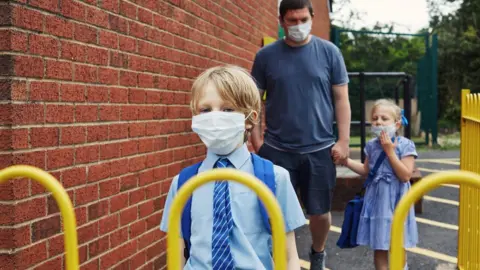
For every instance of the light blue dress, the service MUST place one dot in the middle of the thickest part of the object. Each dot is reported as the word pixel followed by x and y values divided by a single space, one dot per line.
pixel 381 198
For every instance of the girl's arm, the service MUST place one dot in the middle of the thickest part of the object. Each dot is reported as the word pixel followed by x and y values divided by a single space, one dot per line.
pixel 403 168
pixel 358 167
pixel 293 262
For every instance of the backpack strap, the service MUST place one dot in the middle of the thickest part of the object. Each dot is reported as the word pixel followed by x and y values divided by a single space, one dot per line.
pixel 186 220
pixel 263 170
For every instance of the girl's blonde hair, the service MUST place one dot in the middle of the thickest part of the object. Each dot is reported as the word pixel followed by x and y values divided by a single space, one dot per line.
pixel 234 84
pixel 396 110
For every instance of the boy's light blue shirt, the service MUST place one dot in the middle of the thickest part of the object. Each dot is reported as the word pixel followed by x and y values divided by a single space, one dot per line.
pixel 250 241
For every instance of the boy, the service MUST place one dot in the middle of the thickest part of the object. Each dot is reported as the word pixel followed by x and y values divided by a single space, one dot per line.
pixel 226 223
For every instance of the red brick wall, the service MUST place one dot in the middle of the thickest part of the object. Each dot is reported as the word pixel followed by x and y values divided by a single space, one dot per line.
pixel 321 21
pixel 96 92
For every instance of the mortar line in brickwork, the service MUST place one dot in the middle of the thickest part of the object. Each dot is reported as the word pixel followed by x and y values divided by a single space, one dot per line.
pixel 107 199
pixel 46 194
pixel 104 143
pixel 15 250
pixel 139 22
pixel 93 124
pixel 86 84
pixel 39 102
pixel 98 27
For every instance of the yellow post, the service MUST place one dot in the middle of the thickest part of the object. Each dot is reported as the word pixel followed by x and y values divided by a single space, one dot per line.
pixel 428 183
pixel 262 191
pixel 60 195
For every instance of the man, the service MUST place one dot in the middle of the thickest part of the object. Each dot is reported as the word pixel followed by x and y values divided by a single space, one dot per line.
pixel 306 84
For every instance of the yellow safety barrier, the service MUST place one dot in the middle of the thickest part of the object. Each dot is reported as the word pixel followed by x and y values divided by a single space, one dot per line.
pixel 469 208
pixel 262 191
pixel 60 195
pixel 428 183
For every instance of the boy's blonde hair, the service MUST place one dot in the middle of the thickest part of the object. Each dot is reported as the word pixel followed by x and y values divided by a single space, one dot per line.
pixel 234 85
pixel 396 110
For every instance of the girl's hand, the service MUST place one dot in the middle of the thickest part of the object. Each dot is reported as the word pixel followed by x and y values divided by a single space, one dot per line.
pixel 387 144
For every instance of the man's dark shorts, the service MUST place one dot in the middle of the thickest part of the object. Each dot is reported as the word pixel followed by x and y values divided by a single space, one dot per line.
pixel 313 174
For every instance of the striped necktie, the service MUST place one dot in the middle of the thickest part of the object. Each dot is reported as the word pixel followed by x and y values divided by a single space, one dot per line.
pixel 222 258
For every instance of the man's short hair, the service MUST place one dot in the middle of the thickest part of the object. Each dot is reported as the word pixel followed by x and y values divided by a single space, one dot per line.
pixel 287 5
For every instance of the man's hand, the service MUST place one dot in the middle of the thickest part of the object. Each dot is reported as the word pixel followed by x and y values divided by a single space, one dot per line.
pixel 340 152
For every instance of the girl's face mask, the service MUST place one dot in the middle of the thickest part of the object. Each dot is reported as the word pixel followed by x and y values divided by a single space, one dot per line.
pixel 389 129
pixel 221 132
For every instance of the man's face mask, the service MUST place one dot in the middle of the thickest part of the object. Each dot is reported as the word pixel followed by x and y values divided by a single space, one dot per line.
pixel 300 32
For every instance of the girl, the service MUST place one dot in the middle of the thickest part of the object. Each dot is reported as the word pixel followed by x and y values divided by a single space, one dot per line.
pixel 390 183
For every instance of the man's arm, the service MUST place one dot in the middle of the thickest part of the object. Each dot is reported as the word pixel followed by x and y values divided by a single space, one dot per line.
pixel 343 117
pixel 257 130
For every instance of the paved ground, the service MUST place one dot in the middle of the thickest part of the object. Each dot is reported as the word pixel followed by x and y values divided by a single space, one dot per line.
pixel 437 226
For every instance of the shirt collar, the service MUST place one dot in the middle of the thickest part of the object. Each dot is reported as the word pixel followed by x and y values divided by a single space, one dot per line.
pixel 237 157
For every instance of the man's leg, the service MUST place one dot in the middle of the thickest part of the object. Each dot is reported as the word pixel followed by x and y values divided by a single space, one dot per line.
pixel 319 227
pixel 317 184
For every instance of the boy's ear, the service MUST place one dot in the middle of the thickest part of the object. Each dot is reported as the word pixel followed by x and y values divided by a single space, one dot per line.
pixel 250 120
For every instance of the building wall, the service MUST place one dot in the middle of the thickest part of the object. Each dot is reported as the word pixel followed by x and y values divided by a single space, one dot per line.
pixel 321 21
pixel 97 93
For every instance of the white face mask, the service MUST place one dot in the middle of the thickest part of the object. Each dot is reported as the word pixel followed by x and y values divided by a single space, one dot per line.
pixel 390 130
pixel 300 32
pixel 221 132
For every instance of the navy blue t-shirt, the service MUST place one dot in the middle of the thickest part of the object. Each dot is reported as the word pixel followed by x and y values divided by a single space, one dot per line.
pixel 299 105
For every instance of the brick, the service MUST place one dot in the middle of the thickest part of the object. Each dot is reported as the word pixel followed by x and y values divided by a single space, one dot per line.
pixel 44 91
pixel 43 45
pixel 26 18
pixel 84 33
pixel 109 188
pixel 127 44
pixel 58 27
pixel 108 224
pixel 74 177
pixel 86 113
pixel 20 138
pixel 73 51
pixel 86 194
pixel 99 246
pixel 97 17
pixel 72 93
pixel 56 263
pixel 31 255
pixel 36 159
pixel 84 73
pixel 13 41
pixel 118 254
pixel 73 135
pixel 98 172
pixel 14 237
pixel 97 133
pixel 118 167
pixel 97 94
pixel 97 56
pixel 45 228
pixel 108 39
pixel 128 10
pixel 118 24
pixel 88 232
pixel 27 66
pixel 111 5
pixel 136 130
pixel 118 202
pixel 59 70
pixel 87 154
pixel 118 131
pixel 145 16
pixel 73 9
pixel 119 60
pixel 59 113
pixel 128 78
pixel 59 158
pixel 137 228
pixel 108 76
pixel 97 210
pixel 50 5
pixel 44 137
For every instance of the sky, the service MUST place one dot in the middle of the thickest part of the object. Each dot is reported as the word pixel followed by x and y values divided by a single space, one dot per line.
pixel 409 15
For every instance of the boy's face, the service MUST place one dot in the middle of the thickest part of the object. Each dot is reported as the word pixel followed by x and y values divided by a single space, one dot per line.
pixel 210 100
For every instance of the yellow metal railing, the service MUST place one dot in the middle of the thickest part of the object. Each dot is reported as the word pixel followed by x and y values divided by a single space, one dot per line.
pixel 432 181
pixel 469 208
pixel 64 204
pixel 262 191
